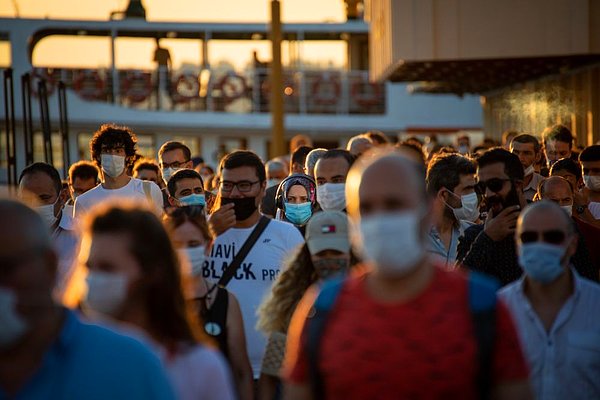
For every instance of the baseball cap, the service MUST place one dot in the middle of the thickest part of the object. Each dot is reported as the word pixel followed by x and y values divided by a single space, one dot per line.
pixel 328 230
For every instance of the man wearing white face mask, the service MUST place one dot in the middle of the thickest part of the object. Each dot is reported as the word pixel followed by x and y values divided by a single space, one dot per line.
pixel 330 174
pixel 113 149
pixel 40 187
pixel 173 156
pixel 528 149
pixel 590 164
pixel 451 184
pixel 554 308
pixel 387 321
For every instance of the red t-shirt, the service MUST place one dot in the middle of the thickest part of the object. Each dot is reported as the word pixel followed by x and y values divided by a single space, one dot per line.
pixel 424 348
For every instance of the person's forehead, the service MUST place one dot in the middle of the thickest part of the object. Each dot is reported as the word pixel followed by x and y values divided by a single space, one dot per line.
pixel 78 181
pixel 297 190
pixel 240 173
pixel 557 190
pixel 332 166
pixel 188 183
pixel 147 172
pixel 375 183
pixel 590 164
pixel 542 220
pixel 522 146
pixel 38 183
pixel 495 170
pixel 467 179
pixel 558 145
pixel 564 173
pixel 187 231
pixel 173 155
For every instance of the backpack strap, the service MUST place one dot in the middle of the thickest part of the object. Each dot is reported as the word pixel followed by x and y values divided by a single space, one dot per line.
pixel 148 191
pixel 316 322
pixel 482 305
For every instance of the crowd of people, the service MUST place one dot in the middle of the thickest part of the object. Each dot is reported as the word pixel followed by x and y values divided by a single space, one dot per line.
pixel 383 270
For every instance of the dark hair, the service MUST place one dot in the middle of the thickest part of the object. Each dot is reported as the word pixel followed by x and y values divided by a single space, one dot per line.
pixel 377 137
pixel 172 145
pixel 299 155
pixel 83 170
pixel 413 147
pixel 525 138
pixel 508 133
pixel 339 153
pixel 512 166
pixel 182 174
pixel 445 171
pixel 557 132
pixel 243 158
pixel 44 168
pixel 590 153
pixel 146 163
pixel 180 215
pixel 111 136
pixel 171 317
pixel 569 165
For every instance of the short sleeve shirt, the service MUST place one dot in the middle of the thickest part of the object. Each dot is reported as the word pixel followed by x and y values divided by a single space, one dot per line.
pixel 423 349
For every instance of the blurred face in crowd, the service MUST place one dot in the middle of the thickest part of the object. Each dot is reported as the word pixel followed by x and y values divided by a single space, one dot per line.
pixel 590 168
pixel 331 170
pixel 525 152
pixel 559 191
pixel 188 235
pixel 555 150
pixel 185 187
pixel 330 262
pixel 147 175
pixel 465 186
pixel 174 159
pixel 37 189
pixel 500 192
pixel 80 186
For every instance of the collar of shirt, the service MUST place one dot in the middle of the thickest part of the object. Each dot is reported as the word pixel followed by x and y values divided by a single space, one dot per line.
pixel 534 183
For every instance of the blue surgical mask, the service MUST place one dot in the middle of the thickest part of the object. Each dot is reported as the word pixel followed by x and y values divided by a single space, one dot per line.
pixel 193 199
pixel 541 261
pixel 298 214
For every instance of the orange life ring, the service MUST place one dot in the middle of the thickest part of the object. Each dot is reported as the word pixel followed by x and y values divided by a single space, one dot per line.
pixel 38 74
pixel 361 98
pixel 228 89
pixel 318 98
pixel 89 85
pixel 186 88
pixel 137 86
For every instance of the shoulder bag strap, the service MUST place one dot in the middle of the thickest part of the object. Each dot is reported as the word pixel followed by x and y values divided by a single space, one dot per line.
pixel 241 255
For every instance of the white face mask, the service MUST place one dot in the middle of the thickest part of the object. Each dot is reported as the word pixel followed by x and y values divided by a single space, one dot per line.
pixel 390 241
pixel 529 170
pixel 332 196
pixel 568 210
pixel 12 325
pixel 167 173
pixel 112 164
pixel 592 182
pixel 47 214
pixel 469 211
pixel 196 258
pixel 107 291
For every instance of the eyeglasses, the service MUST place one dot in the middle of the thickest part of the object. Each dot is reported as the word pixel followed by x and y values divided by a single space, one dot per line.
pixel 174 164
pixel 494 184
pixel 243 186
pixel 554 236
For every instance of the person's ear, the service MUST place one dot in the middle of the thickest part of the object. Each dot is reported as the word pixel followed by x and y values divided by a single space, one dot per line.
pixel 572 246
pixel 442 195
pixel 173 201
pixel 538 157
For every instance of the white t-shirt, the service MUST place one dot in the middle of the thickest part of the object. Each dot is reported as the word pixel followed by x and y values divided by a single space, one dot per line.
pixel 134 190
pixel 255 276
pixel 594 208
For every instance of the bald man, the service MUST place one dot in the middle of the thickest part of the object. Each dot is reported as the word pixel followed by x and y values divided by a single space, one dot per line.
pixel 401 297
pixel 554 308
pixel 46 352
pixel 358 145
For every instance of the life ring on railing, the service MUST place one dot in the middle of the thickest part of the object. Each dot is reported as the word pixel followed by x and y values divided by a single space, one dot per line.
pixel 326 100
pixel 42 73
pixel 136 86
pixel 89 85
pixel 366 99
pixel 232 87
pixel 186 88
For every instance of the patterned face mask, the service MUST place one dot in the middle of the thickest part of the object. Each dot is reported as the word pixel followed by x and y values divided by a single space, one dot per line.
pixel 328 267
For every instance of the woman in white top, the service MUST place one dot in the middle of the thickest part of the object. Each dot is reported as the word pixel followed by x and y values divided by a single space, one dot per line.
pixel 134 277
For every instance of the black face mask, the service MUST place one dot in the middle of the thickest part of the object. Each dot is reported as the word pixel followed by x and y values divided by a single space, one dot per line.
pixel 244 207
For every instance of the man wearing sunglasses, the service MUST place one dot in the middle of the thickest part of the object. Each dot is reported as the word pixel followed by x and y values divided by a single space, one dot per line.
pixel 555 309
pixel 490 248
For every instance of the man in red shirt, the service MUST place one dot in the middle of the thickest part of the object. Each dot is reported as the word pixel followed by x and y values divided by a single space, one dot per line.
pixel 403 328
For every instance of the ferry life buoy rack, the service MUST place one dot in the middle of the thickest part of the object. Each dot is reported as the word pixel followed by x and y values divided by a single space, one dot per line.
pixel 185 88
pixel 324 97
pixel 89 85
pixel 232 86
pixel 38 74
pixel 366 98
pixel 137 86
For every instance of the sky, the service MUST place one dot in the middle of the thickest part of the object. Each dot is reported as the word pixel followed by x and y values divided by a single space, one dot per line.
pixel 137 53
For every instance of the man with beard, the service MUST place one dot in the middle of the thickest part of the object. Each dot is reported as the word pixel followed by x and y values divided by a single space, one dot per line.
pixel 490 248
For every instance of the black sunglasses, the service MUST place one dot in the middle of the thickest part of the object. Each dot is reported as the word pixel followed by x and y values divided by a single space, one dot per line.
pixel 494 184
pixel 554 236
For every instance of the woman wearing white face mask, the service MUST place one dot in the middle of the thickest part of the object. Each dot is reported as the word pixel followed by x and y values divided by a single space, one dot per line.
pixel 134 278
pixel 219 309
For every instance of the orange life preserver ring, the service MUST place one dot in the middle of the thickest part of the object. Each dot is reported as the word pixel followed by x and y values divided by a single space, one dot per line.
pixel 186 88
pixel 318 98
pixel 228 89
pixel 89 85
pixel 363 99
pixel 137 86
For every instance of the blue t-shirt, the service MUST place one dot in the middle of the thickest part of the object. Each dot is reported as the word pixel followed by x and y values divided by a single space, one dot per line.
pixel 90 362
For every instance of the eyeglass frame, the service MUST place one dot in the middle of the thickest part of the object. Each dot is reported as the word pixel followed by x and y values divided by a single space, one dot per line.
pixel 236 184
